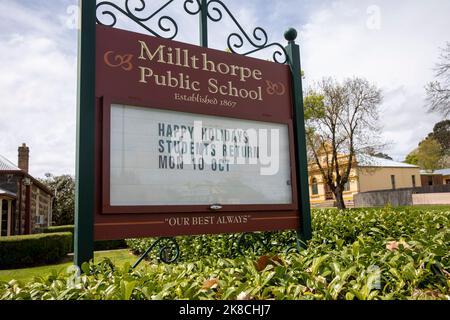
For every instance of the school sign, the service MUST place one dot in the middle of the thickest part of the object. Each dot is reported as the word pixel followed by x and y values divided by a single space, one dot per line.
pixel 176 139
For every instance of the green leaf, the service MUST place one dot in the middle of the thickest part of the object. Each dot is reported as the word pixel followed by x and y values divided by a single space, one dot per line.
pixel 127 288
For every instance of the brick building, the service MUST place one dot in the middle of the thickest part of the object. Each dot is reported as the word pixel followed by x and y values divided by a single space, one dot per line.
pixel 25 203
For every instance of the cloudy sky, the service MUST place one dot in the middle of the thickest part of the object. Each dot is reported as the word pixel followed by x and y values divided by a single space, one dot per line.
pixel 394 44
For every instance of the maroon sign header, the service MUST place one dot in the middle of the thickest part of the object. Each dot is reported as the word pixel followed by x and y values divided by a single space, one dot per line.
pixel 179 76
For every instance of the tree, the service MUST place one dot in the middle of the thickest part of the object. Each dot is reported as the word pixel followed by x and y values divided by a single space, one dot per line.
pixel 377 154
pixel 429 154
pixel 64 198
pixel 413 157
pixel 343 123
pixel 383 156
pixel 441 132
pixel 434 151
pixel 438 91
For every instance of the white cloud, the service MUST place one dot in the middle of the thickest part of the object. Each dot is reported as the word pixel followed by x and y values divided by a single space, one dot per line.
pixel 38 90
pixel 398 57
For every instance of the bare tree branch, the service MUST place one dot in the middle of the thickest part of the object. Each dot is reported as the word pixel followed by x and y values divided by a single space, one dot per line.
pixel 438 91
pixel 348 125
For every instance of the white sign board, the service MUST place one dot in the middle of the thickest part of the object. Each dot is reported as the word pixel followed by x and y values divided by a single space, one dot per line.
pixel 161 157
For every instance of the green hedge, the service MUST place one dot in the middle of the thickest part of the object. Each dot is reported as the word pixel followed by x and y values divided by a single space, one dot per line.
pixel 363 254
pixel 34 250
pixel 98 245
pixel 110 245
pixel 59 229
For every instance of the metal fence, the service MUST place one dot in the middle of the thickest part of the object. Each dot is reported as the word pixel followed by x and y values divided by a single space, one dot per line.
pixel 399 197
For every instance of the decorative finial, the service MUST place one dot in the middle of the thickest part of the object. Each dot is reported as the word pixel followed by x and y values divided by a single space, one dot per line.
pixel 291 35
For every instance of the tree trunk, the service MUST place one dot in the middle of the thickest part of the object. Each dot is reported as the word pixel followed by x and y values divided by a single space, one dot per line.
pixel 340 199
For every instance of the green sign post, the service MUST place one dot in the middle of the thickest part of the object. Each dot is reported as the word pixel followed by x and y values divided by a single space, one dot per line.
pixel 84 203
pixel 293 52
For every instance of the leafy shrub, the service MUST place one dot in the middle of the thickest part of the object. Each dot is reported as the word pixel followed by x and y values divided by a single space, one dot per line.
pixel 109 245
pixel 63 206
pixel 98 245
pixel 69 228
pixel 32 250
pixel 357 254
pixel 195 247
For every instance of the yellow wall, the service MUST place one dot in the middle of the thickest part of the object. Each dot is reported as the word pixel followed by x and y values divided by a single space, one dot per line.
pixel 446 178
pixel 368 179
pixel 371 179
pixel 320 197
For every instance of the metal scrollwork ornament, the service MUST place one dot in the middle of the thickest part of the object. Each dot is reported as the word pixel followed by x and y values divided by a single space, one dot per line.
pixel 259 39
pixel 168 28
pixel 187 5
pixel 168 249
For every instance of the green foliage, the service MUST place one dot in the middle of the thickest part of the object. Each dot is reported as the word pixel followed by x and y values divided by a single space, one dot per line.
pixel 98 245
pixel 64 201
pixel 314 106
pixel 220 246
pixel 356 254
pixel 26 275
pixel 109 245
pixel 69 228
pixel 341 122
pixel 429 154
pixel 413 158
pixel 382 155
pixel 33 250
pixel 434 151
pixel 441 133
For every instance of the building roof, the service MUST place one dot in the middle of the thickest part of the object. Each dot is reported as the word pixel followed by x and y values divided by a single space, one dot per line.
pixel 370 161
pixel 6 165
pixel 7 193
pixel 444 172
pixel 429 173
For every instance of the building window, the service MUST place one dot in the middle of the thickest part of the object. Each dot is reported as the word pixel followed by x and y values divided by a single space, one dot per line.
pixel 393 182
pixel 413 181
pixel 430 180
pixel 315 188
pixel 447 181
pixel 4 218
pixel 347 186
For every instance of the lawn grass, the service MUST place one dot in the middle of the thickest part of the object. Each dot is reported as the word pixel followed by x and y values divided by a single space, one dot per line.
pixel 118 257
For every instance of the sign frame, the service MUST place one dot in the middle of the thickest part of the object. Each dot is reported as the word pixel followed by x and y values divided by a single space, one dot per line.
pixel 87 131
pixel 105 164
